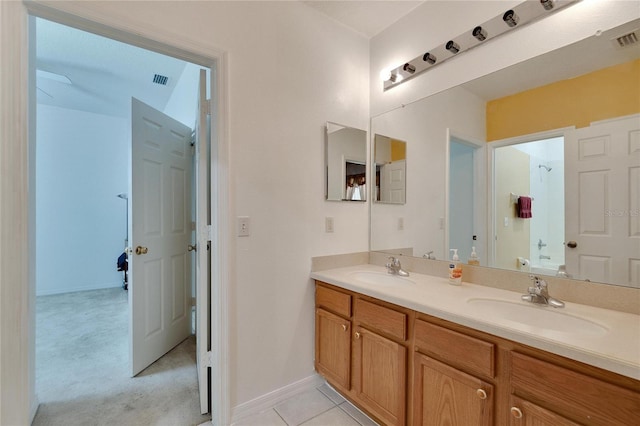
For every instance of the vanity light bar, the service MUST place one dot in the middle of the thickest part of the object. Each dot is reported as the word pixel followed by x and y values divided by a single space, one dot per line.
pixel 522 14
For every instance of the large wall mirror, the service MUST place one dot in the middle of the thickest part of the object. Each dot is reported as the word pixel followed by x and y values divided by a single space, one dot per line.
pixel 536 165
pixel 345 163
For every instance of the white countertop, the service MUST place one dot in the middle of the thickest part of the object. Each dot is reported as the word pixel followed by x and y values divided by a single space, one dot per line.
pixel 617 349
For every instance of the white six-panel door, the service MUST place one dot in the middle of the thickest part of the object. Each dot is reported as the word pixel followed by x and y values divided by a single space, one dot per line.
pixel 159 290
pixel 602 201
pixel 392 182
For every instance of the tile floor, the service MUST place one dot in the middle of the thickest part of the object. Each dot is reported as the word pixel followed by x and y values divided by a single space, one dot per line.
pixel 319 407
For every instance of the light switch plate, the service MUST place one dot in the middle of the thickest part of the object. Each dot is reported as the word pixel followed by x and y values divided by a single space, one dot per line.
pixel 328 224
pixel 244 226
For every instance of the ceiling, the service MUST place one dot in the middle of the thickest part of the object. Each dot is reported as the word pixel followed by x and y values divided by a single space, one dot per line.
pixel 104 74
pixel 588 55
pixel 366 17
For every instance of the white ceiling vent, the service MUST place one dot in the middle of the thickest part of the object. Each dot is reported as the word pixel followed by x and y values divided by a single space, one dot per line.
pixel 160 79
pixel 626 40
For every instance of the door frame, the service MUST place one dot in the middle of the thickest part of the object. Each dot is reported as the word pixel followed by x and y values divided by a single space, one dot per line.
pixel 480 188
pixel 491 202
pixel 21 129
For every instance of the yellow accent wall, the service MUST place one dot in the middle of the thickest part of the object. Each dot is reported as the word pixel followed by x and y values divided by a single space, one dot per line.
pixel 606 93
pixel 398 150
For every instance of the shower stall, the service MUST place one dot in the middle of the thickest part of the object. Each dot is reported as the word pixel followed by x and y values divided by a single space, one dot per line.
pixel 546 179
pixel 533 169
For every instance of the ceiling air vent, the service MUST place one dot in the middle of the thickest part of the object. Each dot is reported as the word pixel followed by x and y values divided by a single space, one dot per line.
pixel 160 79
pixel 627 39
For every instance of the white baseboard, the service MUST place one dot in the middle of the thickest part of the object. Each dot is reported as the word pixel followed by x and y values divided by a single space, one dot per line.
pixel 73 289
pixel 273 398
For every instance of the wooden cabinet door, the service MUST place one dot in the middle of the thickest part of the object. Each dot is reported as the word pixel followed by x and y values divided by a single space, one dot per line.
pixel 333 348
pixel 444 395
pixel 525 413
pixel 380 375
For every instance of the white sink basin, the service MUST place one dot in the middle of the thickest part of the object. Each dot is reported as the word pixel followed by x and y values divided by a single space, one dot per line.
pixel 380 278
pixel 538 317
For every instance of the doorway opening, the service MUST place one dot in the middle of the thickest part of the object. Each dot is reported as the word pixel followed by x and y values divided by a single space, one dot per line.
pixel 466 200
pixel 530 175
pixel 83 151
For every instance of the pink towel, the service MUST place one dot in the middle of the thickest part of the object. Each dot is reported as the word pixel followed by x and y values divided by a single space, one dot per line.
pixel 524 207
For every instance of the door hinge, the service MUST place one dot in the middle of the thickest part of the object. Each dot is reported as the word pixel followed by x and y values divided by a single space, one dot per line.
pixel 204 233
pixel 207 106
pixel 208 359
pixel 209 232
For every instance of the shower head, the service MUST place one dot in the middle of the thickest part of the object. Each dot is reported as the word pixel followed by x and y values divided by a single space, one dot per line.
pixel 123 195
pixel 542 166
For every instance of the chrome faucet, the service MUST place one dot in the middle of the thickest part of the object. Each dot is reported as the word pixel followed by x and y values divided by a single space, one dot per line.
pixel 394 267
pixel 539 294
pixel 541 244
pixel 429 255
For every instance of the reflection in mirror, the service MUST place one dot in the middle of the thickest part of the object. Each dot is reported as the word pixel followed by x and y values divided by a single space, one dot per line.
pixel 345 163
pixel 390 162
pixel 586 93
pixel 529 204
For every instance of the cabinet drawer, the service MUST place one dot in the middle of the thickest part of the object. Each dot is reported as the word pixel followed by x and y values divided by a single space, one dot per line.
pixel 582 398
pixel 381 318
pixel 334 301
pixel 470 354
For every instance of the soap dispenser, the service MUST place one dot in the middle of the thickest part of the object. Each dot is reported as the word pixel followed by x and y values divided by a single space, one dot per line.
pixel 455 269
pixel 473 258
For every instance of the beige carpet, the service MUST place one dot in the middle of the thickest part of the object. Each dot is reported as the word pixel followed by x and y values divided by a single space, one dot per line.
pixel 82 367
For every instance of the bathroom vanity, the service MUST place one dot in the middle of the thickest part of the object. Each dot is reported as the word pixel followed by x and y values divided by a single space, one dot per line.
pixel 418 351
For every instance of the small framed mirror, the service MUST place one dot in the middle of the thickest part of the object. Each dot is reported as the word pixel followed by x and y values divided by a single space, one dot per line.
pixel 345 163
pixel 390 162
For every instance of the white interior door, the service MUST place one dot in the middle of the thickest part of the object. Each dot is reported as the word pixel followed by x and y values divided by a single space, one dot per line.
pixel 602 202
pixel 392 182
pixel 203 252
pixel 159 289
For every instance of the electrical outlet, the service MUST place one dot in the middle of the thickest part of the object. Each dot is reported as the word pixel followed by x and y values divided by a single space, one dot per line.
pixel 400 223
pixel 244 228
pixel 328 224
pixel 441 223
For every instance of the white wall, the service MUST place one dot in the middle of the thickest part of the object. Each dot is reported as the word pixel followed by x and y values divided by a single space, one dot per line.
pixel 82 162
pixel 182 105
pixel 291 69
pixel 435 22
pixel 423 125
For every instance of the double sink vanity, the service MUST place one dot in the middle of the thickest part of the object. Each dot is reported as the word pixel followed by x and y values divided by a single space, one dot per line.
pixel 416 350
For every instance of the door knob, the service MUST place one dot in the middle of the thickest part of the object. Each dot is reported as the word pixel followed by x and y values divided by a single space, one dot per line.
pixel 141 250
pixel 572 244
pixel 192 247
pixel 481 394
